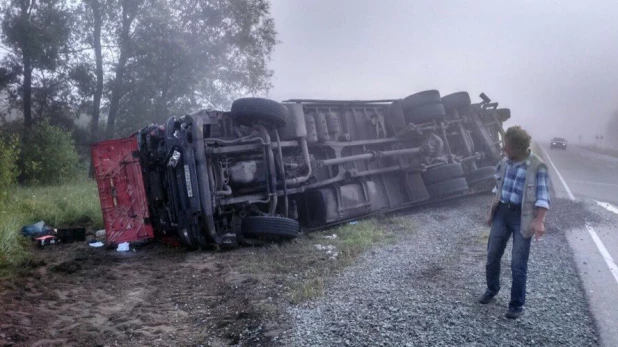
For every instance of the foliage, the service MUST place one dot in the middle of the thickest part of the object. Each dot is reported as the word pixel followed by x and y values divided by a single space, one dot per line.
pixel 137 61
pixel 74 204
pixel 49 155
pixel 9 153
pixel 37 29
pixel 203 55
pixel 36 32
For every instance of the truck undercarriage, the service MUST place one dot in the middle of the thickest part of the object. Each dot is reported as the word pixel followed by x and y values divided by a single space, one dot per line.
pixel 265 169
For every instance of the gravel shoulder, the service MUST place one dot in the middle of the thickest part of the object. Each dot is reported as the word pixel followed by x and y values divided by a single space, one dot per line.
pixel 421 291
pixel 406 279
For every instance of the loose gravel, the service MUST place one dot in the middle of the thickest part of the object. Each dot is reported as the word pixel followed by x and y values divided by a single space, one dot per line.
pixel 422 291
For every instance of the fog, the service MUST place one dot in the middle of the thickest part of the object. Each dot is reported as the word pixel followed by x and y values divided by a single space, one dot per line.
pixel 553 63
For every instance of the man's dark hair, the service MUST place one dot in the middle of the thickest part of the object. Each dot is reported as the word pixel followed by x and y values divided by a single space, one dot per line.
pixel 517 138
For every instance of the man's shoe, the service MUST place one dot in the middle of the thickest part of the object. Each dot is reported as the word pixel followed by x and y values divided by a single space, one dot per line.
pixel 486 298
pixel 514 312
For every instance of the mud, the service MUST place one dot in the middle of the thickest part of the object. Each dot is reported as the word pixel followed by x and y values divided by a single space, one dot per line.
pixel 75 295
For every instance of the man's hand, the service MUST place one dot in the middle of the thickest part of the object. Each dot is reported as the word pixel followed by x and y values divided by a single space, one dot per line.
pixel 492 212
pixel 538 224
pixel 538 228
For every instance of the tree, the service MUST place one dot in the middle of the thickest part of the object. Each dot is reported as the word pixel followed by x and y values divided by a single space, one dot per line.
pixel 97 15
pixel 137 61
pixel 129 10
pixel 190 54
pixel 36 31
pixel 93 29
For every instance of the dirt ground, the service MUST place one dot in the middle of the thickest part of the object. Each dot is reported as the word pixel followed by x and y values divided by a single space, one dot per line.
pixel 82 296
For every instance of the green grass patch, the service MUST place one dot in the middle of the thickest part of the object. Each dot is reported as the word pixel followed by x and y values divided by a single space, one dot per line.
pixel 75 204
pixel 306 264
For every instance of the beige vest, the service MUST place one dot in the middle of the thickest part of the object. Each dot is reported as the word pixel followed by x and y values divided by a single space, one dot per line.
pixel 529 196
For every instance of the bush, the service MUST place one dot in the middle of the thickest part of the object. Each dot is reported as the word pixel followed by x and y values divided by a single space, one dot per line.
pixel 49 155
pixel 9 153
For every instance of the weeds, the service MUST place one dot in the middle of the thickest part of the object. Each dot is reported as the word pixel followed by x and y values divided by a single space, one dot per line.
pixel 74 204
pixel 306 265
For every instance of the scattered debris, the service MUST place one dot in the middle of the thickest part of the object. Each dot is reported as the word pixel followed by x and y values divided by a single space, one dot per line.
pixel 329 249
pixel 330 237
pixel 96 244
pixel 37 229
pixel 353 222
pixel 69 235
pixel 123 247
pixel 100 234
pixel 46 240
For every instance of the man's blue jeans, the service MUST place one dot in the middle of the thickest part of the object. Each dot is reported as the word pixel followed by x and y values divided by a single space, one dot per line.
pixel 506 222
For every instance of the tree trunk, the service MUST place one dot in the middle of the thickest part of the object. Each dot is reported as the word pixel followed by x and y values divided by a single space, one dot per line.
pixel 114 105
pixel 27 93
pixel 129 10
pixel 98 93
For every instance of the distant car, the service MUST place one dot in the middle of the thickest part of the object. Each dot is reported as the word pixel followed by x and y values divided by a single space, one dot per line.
pixel 558 142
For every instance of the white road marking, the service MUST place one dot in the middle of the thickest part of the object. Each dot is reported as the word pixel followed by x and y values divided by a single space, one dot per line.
pixel 568 190
pixel 596 183
pixel 608 206
pixel 613 268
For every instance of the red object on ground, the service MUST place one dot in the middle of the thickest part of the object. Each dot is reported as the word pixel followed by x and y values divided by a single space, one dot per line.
pixel 46 240
pixel 121 190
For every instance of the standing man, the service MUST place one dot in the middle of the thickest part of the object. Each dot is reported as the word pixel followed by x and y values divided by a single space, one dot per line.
pixel 519 207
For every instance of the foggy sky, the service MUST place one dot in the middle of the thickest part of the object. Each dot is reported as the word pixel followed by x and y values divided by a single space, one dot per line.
pixel 553 63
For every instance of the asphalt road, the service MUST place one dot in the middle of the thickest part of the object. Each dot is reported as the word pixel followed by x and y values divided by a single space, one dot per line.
pixel 578 174
pixel 587 174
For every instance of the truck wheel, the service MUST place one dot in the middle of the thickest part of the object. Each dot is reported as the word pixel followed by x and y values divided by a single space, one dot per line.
pixel 456 101
pixel 504 114
pixel 483 174
pixel 442 173
pixel 395 120
pixel 249 111
pixel 425 114
pixel 427 97
pixel 450 187
pixel 269 227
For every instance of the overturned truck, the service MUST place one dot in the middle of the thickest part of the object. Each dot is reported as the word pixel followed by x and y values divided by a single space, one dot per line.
pixel 267 169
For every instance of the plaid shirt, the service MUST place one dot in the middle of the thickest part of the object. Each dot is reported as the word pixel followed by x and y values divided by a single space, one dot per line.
pixel 515 179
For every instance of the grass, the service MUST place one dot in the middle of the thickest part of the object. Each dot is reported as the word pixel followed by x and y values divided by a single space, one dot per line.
pixel 74 204
pixel 305 267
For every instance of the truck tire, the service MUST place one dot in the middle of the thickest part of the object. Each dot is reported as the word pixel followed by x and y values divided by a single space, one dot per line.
pixel 395 120
pixel 425 114
pixel 503 114
pixel 447 188
pixel 442 173
pixel 481 175
pixel 460 100
pixel 269 227
pixel 249 111
pixel 427 97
